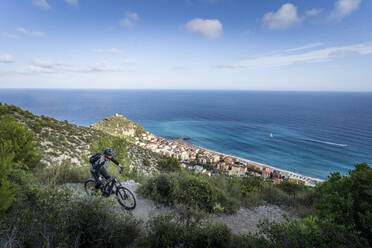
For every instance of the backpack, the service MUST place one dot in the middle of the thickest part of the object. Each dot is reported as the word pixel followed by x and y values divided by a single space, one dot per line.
pixel 94 158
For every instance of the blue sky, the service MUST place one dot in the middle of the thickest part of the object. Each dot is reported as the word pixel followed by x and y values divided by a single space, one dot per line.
pixel 187 44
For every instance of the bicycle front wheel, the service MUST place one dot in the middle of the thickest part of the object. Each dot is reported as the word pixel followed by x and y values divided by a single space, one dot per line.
pixel 126 198
pixel 89 187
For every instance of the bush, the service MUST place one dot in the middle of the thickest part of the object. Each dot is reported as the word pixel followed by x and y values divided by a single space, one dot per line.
pixel 50 217
pixel 347 201
pixel 62 173
pixel 19 141
pixel 169 164
pixel 192 190
pixel 16 150
pixel 168 231
pixel 7 193
pixel 160 188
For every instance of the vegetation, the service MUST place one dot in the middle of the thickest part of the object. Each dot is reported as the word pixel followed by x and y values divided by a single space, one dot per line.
pixel 62 173
pixel 49 217
pixel 346 202
pixel 168 231
pixel 168 164
pixel 193 190
pixel 119 126
pixel 59 141
pixel 36 211
pixel 17 150
pixel 223 193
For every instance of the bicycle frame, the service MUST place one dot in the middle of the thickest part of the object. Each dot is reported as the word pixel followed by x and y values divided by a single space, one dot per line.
pixel 117 182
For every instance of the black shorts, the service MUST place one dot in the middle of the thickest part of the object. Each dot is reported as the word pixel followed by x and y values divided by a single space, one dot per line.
pixel 97 173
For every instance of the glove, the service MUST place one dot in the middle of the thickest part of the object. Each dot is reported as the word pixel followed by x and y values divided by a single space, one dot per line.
pixel 121 170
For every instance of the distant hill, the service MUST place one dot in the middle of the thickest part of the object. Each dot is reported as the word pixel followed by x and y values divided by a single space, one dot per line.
pixel 60 140
pixel 120 126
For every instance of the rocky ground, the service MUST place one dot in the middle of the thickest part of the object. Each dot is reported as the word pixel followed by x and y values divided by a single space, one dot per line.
pixel 245 220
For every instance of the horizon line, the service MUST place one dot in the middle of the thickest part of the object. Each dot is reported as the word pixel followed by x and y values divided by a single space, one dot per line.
pixel 186 89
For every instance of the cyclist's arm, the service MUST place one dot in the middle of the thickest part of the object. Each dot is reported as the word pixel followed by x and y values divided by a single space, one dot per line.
pixel 115 162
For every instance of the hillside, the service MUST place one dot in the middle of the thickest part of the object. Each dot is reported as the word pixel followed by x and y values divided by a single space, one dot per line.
pixel 120 126
pixel 47 207
pixel 59 141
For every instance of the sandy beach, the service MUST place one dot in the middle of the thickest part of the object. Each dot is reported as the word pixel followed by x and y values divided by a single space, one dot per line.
pixel 311 181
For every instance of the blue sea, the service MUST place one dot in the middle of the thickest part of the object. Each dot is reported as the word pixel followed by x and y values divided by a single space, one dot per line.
pixel 311 133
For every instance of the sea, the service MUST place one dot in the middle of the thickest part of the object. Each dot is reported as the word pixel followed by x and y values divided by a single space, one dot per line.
pixel 310 133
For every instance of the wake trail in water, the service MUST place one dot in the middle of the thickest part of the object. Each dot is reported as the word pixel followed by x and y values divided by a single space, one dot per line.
pixel 326 142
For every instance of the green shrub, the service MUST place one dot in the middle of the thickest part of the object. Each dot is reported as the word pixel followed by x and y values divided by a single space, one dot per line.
pixel 162 232
pixel 160 188
pixel 16 150
pixel 168 231
pixel 20 142
pixel 169 164
pixel 62 173
pixel 347 200
pixel 7 193
pixel 249 240
pixel 50 217
pixel 196 191
pixel 309 232
pixel 273 195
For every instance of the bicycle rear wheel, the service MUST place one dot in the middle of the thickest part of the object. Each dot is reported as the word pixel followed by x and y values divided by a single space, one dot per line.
pixel 126 198
pixel 90 187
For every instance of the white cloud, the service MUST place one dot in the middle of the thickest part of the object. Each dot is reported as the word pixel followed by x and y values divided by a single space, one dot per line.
pixel 211 29
pixel 320 55
pixel 6 58
pixel 110 50
pixel 304 47
pixel 344 8
pixel 48 66
pixel 11 36
pixel 31 33
pixel 103 67
pixel 73 3
pixel 55 66
pixel 313 12
pixel 284 18
pixel 42 4
pixel 129 20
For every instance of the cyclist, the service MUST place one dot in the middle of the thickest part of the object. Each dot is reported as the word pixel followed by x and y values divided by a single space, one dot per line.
pixel 98 166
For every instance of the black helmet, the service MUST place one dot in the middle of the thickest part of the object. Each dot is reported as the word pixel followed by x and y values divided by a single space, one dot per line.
pixel 109 152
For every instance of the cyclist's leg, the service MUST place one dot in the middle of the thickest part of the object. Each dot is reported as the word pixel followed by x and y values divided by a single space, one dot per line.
pixel 95 175
pixel 104 173
pixel 107 176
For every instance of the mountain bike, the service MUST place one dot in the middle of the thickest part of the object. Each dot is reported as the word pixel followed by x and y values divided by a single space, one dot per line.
pixel 110 187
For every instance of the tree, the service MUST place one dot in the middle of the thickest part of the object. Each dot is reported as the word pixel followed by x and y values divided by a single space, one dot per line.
pixel 19 140
pixel 7 193
pixel 347 200
pixel 16 150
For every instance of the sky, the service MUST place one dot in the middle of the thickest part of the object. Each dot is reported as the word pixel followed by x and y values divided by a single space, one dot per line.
pixel 318 45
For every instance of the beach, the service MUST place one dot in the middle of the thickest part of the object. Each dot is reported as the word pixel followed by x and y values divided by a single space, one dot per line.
pixel 311 181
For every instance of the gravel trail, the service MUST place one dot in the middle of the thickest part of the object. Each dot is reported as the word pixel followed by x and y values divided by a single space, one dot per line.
pixel 245 220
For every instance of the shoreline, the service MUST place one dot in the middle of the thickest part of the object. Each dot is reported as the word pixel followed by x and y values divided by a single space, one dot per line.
pixel 291 174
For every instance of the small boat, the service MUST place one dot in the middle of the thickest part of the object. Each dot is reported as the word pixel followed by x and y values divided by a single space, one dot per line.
pixel 271 135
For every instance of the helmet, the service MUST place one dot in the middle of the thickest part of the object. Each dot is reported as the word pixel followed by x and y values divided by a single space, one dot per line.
pixel 109 152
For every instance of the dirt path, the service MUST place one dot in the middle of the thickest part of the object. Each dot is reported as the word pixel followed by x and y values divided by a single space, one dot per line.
pixel 245 220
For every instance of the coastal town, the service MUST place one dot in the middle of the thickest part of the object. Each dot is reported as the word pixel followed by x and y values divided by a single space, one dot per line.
pixel 209 162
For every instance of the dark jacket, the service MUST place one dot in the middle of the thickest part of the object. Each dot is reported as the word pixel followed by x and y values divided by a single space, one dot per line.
pixel 96 166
